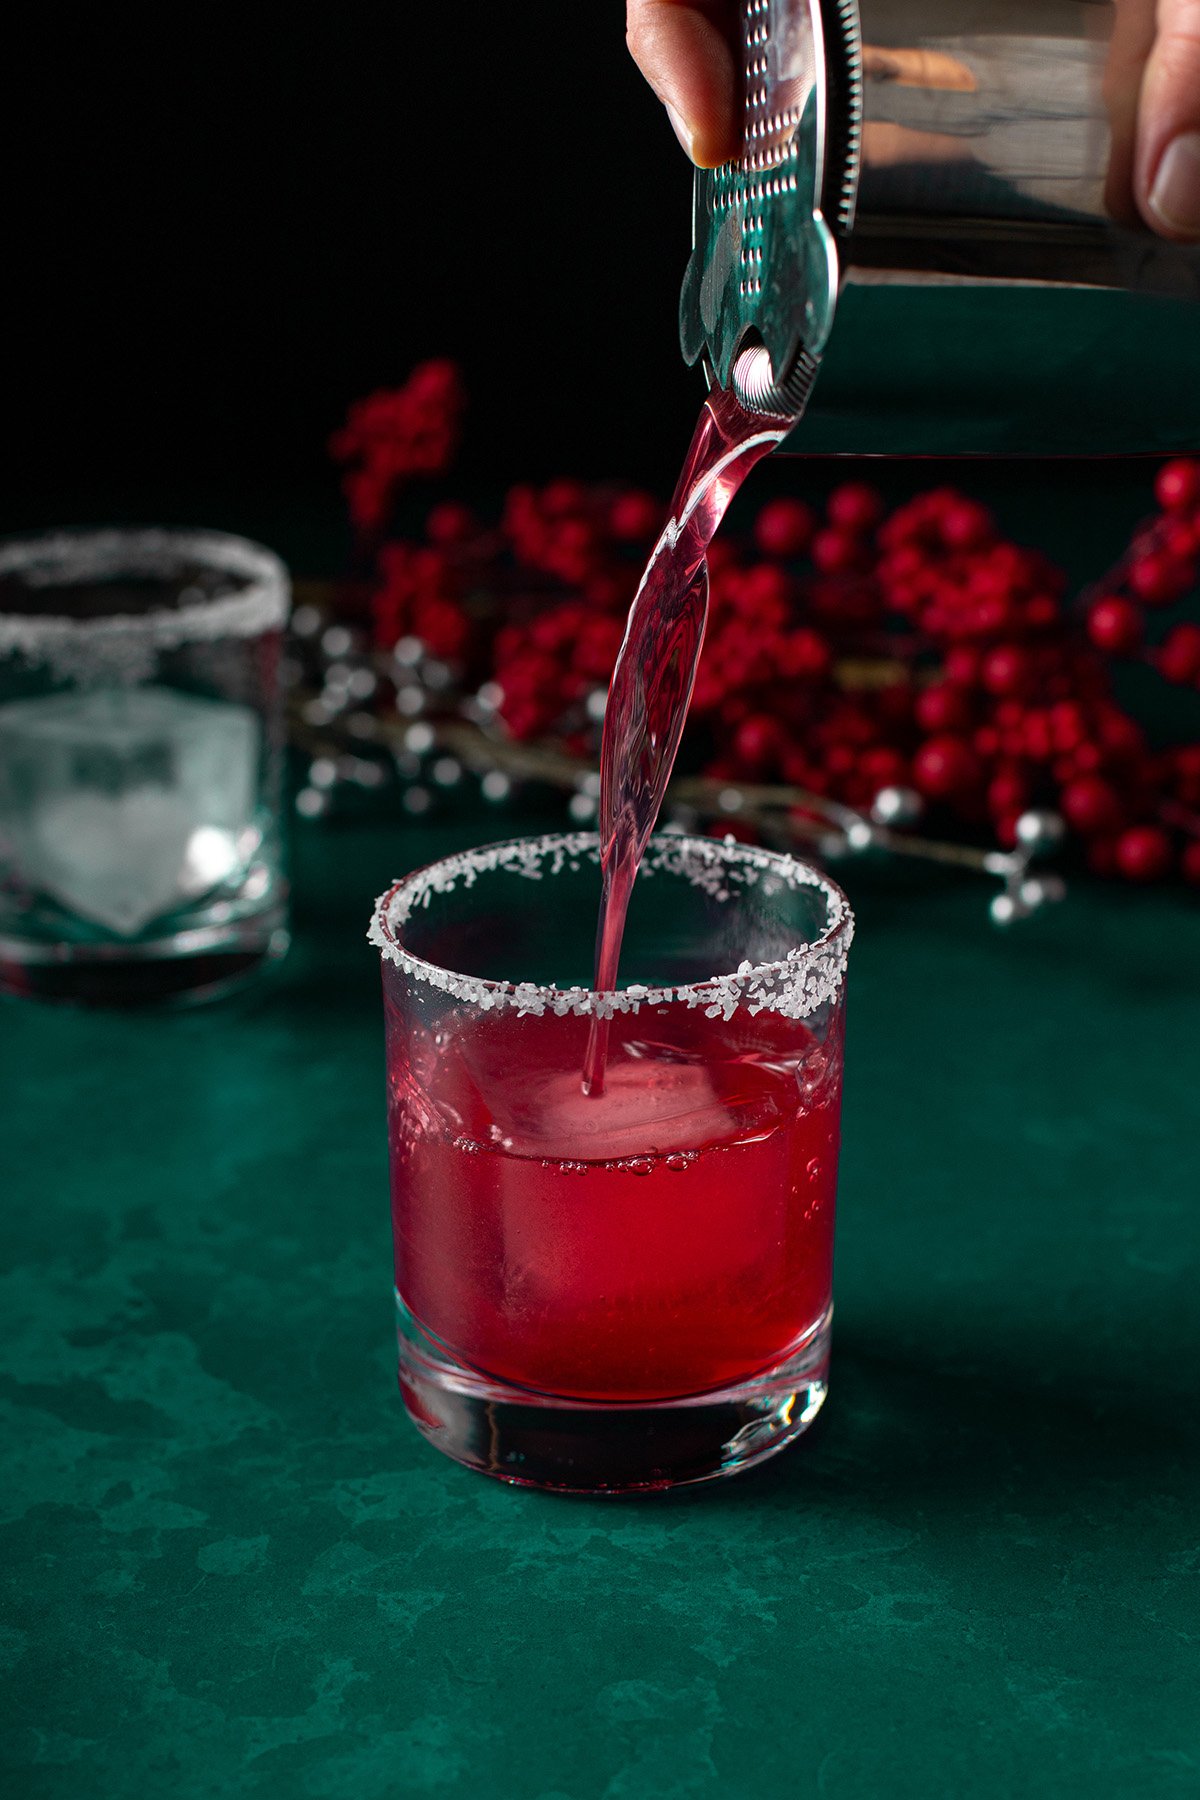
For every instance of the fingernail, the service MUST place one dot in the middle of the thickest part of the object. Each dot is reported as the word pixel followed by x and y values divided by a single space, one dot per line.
pixel 1175 196
pixel 682 131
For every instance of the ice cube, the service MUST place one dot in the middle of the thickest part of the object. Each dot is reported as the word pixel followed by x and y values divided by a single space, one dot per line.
pixel 645 1110
pixel 123 804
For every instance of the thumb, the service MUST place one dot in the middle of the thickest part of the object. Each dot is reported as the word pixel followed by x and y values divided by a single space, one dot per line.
pixel 685 49
pixel 1167 161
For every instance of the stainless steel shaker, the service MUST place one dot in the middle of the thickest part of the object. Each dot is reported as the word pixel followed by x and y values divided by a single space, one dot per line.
pixel 933 175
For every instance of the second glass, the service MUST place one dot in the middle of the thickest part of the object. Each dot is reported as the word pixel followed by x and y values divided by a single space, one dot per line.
pixel 633 1291
pixel 141 763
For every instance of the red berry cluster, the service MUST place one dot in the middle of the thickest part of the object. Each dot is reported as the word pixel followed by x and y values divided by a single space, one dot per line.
pixel 394 434
pixel 594 541
pixel 564 564
pixel 1159 570
pixel 582 536
pixel 848 651
pixel 859 651
pixel 547 668
pixel 418 595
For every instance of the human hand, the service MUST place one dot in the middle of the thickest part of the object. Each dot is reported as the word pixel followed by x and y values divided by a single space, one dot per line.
pixel 1152 88
pixel 687 50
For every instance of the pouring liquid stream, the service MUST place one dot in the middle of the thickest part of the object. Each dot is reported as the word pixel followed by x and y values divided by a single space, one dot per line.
pixel 656 669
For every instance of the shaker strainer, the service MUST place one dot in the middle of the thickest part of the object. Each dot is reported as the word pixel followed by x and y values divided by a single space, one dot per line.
pixel 915 143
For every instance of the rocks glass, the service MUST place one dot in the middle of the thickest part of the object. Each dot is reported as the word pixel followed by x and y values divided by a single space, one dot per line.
pixel 633 1291
pixel 141 763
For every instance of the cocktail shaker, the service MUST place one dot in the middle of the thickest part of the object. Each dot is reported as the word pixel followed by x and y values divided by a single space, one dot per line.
pixel 924 210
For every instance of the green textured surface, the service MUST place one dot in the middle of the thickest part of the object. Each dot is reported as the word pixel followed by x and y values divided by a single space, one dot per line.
pixel 234 1568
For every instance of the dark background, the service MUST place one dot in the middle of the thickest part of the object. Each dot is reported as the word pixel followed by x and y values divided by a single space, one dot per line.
pixel 222 227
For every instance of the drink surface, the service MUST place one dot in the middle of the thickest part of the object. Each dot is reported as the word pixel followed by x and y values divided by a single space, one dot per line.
pixel 667 1238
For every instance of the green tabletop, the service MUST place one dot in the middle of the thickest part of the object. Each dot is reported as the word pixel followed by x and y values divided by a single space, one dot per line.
pixel 233 1567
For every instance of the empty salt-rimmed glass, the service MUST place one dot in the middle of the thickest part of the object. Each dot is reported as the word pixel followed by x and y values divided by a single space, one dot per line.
pixel 633 1291
pixel 141 763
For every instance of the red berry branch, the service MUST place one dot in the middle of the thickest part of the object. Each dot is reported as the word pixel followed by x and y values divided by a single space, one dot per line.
pixel 395 434
pixel 860 663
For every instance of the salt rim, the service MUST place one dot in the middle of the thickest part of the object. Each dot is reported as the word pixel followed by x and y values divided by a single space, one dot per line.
pixel 795 987
pixel 52 558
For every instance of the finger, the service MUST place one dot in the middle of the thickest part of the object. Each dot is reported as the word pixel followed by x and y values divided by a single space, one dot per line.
pixel 1167 157
pixel 1129 47
pixel 685 49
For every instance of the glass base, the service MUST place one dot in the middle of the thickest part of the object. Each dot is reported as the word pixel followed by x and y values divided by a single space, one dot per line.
pixel 597 1447
pixel 186 966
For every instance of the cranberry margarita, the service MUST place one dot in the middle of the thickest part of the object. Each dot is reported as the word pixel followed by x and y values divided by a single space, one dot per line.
pixel 627 1289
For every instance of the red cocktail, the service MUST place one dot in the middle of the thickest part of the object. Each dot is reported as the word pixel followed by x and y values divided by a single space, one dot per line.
pixel 631 1289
